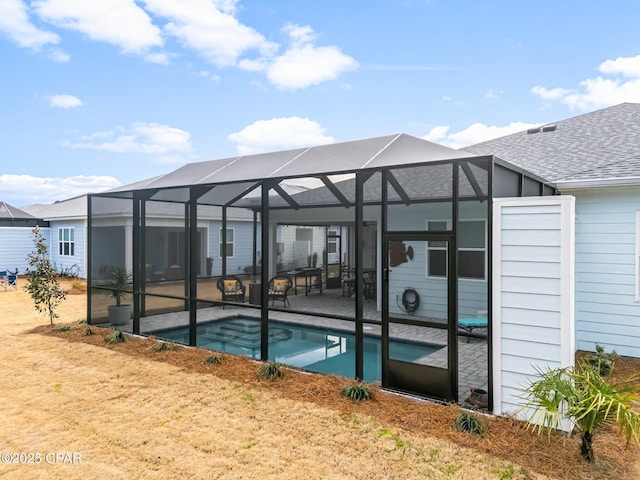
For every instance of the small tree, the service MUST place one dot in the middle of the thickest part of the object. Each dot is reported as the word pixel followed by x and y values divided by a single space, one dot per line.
pixel 584 396
pixel 42 279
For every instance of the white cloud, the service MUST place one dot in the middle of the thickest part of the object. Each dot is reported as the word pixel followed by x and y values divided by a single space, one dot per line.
pixel 279 134
pixel 140 137
pixel 305 64
pixel 478 132
pixel 209 75
pixel 210 28
pixel 15 23
pixel 550 94
pixel 119 22
pixel 28 189
pixel 158 57
pixel 59 56
pixel 600 91
pixel 627 66
pixel 65 101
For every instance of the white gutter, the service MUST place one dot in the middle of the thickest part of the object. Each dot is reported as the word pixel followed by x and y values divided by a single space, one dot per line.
pixel 598 182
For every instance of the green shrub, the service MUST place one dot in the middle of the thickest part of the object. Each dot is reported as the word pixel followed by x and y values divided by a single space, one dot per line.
pixel 63 328
pixel 42 279
pixel 584 396
pixel 159 346
pixel 357 392
pixel 270 371
pixel 468 422
pixel 602 360
pixel 213 360
pixel 116 337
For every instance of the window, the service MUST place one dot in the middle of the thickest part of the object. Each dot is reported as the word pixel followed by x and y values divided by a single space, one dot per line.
pixel 471 237
pixel 471 249
pixel 332 242
pixel 176 248
pixel 66 242
pixel 437 252
pixel 230 244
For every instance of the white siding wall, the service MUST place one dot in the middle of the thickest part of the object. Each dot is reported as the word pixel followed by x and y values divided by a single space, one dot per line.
pixel 472 293
pixel 77 262
pixel 533 314
pixel 15 244
pixel 242 248
pixel 607 305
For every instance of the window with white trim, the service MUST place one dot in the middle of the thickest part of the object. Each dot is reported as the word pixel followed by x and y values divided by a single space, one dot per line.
pixel 437 251
pixel 66 242
pixel 230 242
pixel 472 251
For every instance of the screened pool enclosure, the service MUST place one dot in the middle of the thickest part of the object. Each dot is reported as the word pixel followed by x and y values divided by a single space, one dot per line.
pixel 369 259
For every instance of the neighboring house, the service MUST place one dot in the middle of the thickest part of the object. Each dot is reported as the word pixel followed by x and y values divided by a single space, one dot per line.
pixel 595 158
pixel 165 238
pixel 67 232
pixel 16 237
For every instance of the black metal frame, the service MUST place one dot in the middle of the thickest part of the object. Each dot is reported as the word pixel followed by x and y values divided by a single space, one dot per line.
pixel 191 300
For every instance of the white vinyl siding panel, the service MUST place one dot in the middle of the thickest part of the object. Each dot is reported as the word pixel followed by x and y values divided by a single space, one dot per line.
pixel 533 299
pixel 607 269
pixel 15 244
pixel 242 246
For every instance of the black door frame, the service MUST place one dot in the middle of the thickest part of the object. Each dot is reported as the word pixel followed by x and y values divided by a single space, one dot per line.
pixel 411 377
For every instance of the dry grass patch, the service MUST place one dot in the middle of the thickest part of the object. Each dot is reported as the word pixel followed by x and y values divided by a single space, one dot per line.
pixel 134 412
pixel 554 457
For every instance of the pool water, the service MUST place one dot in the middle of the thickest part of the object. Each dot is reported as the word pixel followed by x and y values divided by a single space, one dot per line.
pixel 313 348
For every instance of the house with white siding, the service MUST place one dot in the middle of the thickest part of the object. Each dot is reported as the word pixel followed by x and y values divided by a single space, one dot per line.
pixel 16 237
pixel 595 158
pixel 67 222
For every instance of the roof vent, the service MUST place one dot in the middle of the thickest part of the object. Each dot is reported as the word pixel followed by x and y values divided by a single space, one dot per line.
pixel 533 130
pixel 549 128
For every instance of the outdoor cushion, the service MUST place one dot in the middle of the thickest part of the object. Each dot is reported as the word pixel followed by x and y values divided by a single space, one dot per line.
pixel 230 286
pixel 479 322
pixel 279 285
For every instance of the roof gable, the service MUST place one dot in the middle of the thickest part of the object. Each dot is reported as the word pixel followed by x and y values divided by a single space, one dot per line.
pixel 10 212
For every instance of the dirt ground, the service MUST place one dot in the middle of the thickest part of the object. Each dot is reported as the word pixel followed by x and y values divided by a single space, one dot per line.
pixel 74 407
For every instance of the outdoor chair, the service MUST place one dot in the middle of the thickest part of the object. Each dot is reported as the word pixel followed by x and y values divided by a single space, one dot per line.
pixel 468 324
pixel 279 287
pixel 12 281
pixel 231 288
pixel 4 279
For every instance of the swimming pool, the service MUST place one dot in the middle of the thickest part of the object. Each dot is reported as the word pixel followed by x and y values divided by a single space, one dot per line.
pixel 313 348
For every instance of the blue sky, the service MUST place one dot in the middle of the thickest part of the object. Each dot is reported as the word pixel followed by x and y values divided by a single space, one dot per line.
pixel 94 94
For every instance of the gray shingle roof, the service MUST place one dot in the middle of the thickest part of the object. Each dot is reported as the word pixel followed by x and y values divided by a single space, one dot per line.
pixel 10 212
pixel 76 208
pixel 600 145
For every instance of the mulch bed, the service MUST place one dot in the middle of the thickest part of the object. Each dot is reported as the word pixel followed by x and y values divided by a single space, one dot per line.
pixel 556 455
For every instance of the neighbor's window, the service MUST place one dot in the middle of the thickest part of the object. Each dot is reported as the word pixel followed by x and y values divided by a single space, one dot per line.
pixel 66 242
pixel 230 245
pixel 471 236
pixel 332 241
pixel 176 248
